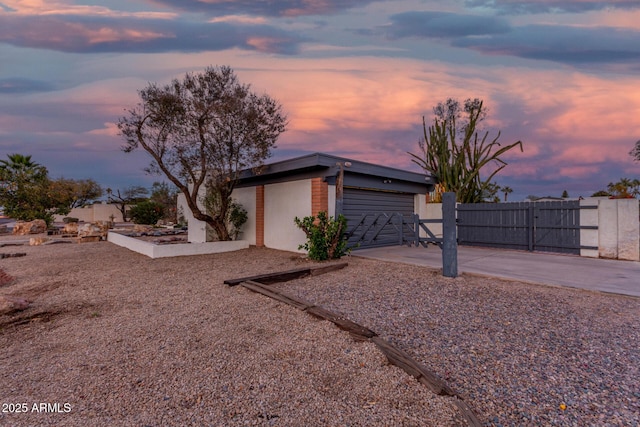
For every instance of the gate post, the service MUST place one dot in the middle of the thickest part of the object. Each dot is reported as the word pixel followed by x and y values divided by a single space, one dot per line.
pixel 449 236
pixel 531 217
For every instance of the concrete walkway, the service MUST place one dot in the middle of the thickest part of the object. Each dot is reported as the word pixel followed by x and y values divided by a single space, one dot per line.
pixel 604 275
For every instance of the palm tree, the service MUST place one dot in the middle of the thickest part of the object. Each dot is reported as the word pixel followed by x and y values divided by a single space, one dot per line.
pixel 635 152
pixel 624 188
pixel 20 165
pixel 506 190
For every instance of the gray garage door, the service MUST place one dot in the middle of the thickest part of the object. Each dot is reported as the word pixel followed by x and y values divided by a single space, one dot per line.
pixel 358 202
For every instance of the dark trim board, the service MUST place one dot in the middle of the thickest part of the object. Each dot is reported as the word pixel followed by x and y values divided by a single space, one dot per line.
pixel 358 174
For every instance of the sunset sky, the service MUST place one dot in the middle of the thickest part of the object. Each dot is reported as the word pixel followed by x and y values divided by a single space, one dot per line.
pixel 355 78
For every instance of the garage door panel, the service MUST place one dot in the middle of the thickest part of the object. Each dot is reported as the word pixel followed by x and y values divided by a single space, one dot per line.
pixel 358 202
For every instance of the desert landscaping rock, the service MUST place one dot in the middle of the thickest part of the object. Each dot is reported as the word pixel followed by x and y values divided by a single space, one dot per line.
pixel 129 340
pixel 37 241
pixel 70 228
pixel 22 228
pixel 10 304
pixel 519 354
pixel 93 230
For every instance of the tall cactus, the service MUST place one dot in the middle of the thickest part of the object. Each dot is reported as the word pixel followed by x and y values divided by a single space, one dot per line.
pixel 456 166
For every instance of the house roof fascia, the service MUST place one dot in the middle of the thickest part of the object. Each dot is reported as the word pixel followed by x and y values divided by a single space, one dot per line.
pixel 327 165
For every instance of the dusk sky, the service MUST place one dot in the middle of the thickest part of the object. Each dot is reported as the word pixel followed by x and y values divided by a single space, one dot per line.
pixel 354 77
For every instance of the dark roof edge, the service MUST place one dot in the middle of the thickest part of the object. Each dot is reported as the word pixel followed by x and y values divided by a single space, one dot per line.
pixel 330 163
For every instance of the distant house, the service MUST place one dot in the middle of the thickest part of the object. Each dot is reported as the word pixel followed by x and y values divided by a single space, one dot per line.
pixel 306 185
pixel 94 212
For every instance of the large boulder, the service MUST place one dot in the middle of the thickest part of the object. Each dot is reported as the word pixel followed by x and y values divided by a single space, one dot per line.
pixel 37 226
pixel 104 226
pixel 37 241
pixel 93 230
pixel 70 228
pixel 142 228
pixel 9 304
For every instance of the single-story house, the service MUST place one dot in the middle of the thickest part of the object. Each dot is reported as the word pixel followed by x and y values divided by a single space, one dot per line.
pixel 306 185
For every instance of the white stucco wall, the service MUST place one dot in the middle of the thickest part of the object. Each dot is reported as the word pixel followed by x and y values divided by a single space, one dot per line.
pixel 164 251
pixel 332 200
pixel 198 230
pixel 619 229
pixel 247 198
pixel 283 202
pixel 628 229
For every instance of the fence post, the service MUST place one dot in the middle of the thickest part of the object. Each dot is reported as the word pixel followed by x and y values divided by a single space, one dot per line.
pixel 531 226
pixel 450 242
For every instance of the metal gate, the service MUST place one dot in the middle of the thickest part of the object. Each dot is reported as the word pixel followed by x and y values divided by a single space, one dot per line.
pixel 387 229
pixel 532 226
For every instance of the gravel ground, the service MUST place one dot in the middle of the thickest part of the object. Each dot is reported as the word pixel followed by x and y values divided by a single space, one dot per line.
pixel 519 354
pixel 127 340
pixel 114 338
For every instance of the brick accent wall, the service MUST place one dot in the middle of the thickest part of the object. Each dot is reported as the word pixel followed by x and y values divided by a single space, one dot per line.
pixel 260 216
pixel 319 196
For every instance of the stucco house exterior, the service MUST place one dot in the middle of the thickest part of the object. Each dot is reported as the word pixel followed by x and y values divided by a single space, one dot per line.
pixel 307 185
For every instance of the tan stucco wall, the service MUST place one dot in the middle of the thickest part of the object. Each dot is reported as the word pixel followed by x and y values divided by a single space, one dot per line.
pixel 429 211
pixel 282 203
pixel 92 213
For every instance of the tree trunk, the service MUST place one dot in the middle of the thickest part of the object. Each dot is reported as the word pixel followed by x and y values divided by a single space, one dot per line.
pixel 220 228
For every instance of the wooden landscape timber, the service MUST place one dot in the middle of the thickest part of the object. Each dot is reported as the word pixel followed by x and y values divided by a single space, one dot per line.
pixel 279 296
pixel 359 332
pixel 285 276
pixel 395 356
pixel 402 360
pixel 14 255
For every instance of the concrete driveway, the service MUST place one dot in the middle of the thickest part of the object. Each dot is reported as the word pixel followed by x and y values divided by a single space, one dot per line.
pixel 604 275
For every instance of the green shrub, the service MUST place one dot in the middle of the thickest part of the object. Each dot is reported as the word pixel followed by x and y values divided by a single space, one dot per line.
pixel 68 219
pixel 146 212
pixel 237 217
pixel 325 236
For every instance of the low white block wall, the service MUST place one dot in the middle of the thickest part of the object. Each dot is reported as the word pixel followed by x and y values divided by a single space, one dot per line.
pixel 619 229
pixel 177 249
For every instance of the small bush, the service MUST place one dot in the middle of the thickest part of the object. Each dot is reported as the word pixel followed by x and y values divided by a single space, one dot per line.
pixel 237 217
pixel 325 236
pixel 146 212
pixel 69 219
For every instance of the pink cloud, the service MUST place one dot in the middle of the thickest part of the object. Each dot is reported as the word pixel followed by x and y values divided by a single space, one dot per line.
pixel 42 7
